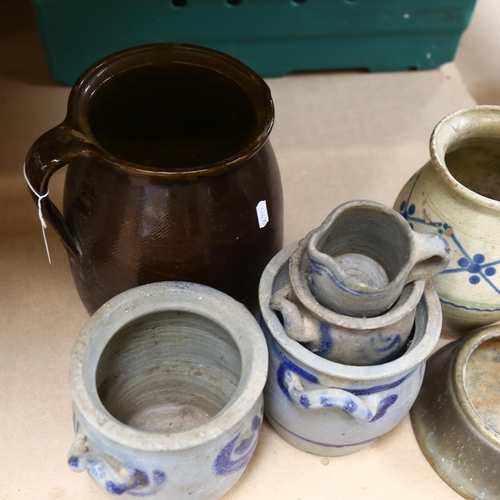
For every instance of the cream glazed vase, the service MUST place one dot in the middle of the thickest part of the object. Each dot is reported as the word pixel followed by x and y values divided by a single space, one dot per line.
pixel 456 194
pixel 167 384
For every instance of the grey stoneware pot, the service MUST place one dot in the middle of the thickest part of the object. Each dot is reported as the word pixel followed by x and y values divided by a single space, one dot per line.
pixel 328 408
pixel 167 383
pixel 360 258
pixel 343 339
pixel 456 417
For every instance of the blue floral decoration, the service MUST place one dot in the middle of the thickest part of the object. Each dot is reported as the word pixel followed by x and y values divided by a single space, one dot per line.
pixel 477 266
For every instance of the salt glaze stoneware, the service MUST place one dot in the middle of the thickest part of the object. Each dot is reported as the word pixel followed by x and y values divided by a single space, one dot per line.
pixel 167 383
pixel 456 194
pixel 456 417
pixel 343 339
pixel 363 254
pixel 328 408
pixel 171 175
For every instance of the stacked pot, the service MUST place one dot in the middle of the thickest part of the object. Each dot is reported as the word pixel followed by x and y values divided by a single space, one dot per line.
pixel 350 319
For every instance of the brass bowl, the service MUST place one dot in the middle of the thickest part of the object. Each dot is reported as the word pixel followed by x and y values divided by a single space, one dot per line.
pixel 456 417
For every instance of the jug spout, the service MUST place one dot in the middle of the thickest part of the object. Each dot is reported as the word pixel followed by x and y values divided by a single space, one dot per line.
pixel 298 325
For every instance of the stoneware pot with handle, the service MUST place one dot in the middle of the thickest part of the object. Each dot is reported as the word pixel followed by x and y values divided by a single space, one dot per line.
pixel 329 408
pixel 167 383
pixel 363 254
pixel 343 339
pixel 171 175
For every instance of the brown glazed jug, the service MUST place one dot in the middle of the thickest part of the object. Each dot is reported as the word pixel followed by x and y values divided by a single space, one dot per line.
pixel 171 175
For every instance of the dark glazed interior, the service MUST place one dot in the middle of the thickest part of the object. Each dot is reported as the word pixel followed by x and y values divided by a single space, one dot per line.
pixel 172 116
pixel 173 107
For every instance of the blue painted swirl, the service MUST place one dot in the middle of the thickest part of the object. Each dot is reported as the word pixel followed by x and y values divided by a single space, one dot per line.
pixel 235 456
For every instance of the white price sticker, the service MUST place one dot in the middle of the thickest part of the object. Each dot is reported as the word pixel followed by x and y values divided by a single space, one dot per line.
pixel 262 215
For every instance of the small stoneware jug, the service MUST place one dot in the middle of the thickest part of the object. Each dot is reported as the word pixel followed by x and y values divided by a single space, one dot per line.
pixel 363 254
pixel 167 383
pixel 457 195
pixel 343 339
pixel 329 408
pixel 171 175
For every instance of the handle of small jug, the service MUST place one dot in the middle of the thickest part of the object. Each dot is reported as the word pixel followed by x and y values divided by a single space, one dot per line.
pixel 112 477
pixel 52 151
pixel 432 255
pixel 317 399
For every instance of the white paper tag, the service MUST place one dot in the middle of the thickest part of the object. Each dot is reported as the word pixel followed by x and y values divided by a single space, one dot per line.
pixel 40 214
pixel 262 215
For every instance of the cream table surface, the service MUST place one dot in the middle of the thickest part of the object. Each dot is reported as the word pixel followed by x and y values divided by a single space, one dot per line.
pixel 338 136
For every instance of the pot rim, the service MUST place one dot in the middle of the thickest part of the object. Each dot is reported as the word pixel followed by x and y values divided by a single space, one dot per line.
pixel 179 53
pixel 397 312
pixel 207 302
pixel 403 364
pixel 440 142
pixel 318 233
pixel 459 369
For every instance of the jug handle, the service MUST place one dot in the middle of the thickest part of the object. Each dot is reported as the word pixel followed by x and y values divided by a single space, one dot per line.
pixel 52 151
pixel 432 256
pixel 112 477
pixel 317 399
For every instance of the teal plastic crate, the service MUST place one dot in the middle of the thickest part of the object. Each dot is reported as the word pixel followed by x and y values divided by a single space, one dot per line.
pixel 274 37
